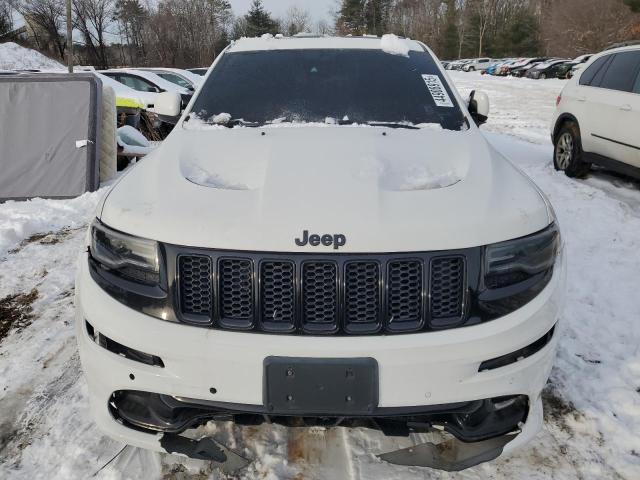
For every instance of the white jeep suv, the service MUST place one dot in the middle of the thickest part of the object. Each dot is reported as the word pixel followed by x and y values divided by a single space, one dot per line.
pixel 325 238
pixel 597 118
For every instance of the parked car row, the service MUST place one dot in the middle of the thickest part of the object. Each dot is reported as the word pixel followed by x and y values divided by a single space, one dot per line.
pixel 149 83
pixel 142 88
pixel 532 67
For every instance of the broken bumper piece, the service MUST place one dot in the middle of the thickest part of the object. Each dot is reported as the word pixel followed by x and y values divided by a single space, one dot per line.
pixel 205 449
pixel 451 455
pixel 481 428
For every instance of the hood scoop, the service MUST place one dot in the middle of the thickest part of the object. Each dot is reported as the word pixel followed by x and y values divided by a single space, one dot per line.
pixel 419 177
pixel 224 174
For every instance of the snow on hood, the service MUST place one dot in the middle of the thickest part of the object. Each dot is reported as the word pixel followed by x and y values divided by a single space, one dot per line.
pixel 16 57
pixel 254 189
pixel 394 45
pixel 245 171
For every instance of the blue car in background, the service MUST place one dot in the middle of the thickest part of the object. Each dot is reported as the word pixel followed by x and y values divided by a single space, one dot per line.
pixel 491 69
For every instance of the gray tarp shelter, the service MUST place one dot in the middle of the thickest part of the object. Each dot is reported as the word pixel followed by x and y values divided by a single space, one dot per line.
pixel 49 135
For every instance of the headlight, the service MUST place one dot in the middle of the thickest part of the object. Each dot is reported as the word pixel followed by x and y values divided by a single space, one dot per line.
pixel 516 261
pixel 134 258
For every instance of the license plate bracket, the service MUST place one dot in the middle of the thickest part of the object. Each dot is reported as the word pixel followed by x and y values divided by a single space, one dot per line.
pixel 320 386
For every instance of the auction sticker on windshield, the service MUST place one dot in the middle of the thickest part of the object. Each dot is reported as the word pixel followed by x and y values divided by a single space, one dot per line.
pixel 439 94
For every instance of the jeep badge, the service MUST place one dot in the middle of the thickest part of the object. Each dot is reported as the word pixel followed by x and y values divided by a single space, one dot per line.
pixel 337 240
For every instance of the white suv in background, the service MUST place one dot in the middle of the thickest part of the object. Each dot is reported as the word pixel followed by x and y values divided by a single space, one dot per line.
pixel 480 64
pixel 597 119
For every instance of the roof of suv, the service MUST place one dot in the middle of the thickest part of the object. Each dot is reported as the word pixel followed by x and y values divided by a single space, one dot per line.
pixel 626 48
pixel 316 42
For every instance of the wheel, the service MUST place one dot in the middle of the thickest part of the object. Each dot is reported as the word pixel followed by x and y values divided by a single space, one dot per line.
pixel 543 76
pixel 567 154
pixel 472 69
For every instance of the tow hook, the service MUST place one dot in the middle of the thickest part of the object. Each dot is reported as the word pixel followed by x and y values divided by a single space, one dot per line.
pixel 204 449
pixel 451 455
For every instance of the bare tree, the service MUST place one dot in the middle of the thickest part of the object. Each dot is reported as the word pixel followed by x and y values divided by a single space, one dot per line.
pixel 324 28
pixel 186 33
pixel 485 11
pixel 6 17
pixel 574 27
pixel 296 20
pixel 46 18
pixel 92 19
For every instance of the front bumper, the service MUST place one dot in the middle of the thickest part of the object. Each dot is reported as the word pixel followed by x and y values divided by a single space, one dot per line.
pixel 415 370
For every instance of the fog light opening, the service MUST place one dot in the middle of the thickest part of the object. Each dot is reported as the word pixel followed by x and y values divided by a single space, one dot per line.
pixel 122 350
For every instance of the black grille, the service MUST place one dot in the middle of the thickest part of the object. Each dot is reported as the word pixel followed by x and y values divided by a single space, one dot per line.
pixel 362 296
pixel 320 293
pixel 196 296
pixel 236 291
pixel 278 300
pixel 332 294
pixel 447 279
pixel 405 293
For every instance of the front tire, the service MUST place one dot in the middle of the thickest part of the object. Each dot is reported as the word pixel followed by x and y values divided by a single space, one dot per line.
pixel 543 76
pixel 567 152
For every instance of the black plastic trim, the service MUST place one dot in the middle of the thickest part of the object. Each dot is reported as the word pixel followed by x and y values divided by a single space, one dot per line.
pixel 611 164
pixel 355 328
pixel 470 421
pixel 451 322
pixel 122 350
pixel 615 141
pixel 320 386
pixel 480 304
pixel 471 256
pixel 565 117
pixel 518 355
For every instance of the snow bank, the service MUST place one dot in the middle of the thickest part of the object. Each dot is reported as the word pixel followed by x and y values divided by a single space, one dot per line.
pixel 394 45
pixel 20 220
pixel 15 57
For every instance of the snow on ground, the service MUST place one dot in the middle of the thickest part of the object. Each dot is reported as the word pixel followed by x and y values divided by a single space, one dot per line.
pixel 592 402
pixel 16 57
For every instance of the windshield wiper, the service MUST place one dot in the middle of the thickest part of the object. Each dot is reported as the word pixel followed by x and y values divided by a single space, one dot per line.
pixel 234 122
pixel 239 122
pixel 393 125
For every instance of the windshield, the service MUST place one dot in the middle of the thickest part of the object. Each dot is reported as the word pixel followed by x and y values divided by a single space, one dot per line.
pixel 328 86
pixel 175 79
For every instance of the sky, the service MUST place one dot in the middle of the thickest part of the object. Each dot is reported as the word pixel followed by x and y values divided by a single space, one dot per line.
pixel 319 9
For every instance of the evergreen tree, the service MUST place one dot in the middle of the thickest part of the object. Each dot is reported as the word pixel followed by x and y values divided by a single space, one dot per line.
pixel 259 21
pixel 376 16
pixel 521 37
pixel 132 17
pixel 360 17
pixel 451 35
pixel 351 18
pixel 634 5
pixel 4 24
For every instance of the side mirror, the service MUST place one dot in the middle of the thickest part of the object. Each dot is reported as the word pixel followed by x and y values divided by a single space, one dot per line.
pixel 168 104
pixel 479 107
